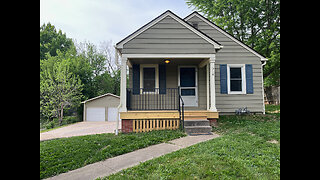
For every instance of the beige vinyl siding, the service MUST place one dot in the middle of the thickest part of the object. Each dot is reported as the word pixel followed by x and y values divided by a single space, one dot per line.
pixel 168 37
pixel 233 53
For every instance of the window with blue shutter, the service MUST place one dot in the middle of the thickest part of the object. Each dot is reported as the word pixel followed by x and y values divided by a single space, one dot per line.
pixel 136 79
pixel 162 79
pixel 249 78
pixel 223 79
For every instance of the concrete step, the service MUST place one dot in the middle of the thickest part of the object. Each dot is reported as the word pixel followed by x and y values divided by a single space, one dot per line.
pixel 197 122
pixel 196 130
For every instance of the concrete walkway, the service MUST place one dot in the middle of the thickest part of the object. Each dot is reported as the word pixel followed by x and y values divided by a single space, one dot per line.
pixel 116 164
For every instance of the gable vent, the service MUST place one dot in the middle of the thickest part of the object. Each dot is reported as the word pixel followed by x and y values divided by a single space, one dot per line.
pixel 195 24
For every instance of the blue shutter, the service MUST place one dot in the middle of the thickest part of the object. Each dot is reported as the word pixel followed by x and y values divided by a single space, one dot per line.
pixel 223 79
pixel 162 79
pixel 249 78
pixel 136 78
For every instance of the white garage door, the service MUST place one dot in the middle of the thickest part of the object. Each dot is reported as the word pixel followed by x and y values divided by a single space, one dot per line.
pixel 112 114
pixel 96 114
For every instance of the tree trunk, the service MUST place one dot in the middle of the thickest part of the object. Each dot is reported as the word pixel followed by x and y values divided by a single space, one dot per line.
pixel 61 115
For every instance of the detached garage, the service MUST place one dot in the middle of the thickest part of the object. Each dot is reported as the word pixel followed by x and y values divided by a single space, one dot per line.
pixel 102 108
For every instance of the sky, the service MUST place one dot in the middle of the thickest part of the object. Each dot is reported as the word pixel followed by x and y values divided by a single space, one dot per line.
pixel 100 21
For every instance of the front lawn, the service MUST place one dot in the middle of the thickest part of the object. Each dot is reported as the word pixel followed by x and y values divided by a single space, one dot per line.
pixel 62 155
pixel 248 149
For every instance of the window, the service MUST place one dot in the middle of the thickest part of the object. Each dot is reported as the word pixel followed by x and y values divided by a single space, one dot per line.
pixel 149 79
pixel 236 79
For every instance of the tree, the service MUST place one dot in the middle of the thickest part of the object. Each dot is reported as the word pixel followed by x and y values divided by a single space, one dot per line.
pixel 254 22
pixel 51 41
pixel 60 89
pixel 105 69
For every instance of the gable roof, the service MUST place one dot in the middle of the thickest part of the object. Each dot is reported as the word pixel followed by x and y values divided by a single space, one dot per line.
pixel 215 43
pixel 210 23
pixel 108 94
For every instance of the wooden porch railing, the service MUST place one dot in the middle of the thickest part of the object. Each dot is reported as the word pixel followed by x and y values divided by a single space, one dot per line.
pixel 156 124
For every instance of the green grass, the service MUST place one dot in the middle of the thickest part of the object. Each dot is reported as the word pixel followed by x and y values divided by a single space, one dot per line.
pixel 62 155
pixel 248 149
pixel 271 109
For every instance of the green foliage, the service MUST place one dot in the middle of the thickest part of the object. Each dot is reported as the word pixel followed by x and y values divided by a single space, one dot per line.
pixel 244 151
pixel 62 155
pixel 60 89
pixel 51 41
pixel 254 22
pixel 69 74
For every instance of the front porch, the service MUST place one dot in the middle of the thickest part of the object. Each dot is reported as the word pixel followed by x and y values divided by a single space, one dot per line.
pixel 144 121
pixel 158 92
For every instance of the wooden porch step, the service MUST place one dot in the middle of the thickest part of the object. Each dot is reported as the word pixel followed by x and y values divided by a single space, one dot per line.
pixel 192 117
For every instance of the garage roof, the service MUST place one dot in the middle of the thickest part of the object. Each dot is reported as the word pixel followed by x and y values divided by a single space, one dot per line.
pixel 108 94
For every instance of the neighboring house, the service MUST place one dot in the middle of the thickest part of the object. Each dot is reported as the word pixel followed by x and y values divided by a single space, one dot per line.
pixel 212 71
pixel 102 108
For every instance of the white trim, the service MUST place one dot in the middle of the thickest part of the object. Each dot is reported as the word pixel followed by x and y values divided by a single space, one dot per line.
pixel 168 55
pixel 213 107
pixel 197 84
pixel 263 95
pixel 156 66
pixel 226 34
pixel 208 85
pixel 155 21
pixel 123 85
pixel 243 78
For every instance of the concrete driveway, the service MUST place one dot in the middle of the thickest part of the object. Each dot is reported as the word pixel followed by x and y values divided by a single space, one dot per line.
pixel 80 129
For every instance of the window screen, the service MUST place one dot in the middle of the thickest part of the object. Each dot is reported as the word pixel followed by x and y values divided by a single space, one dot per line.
pixel 187 77
pixel 235 79
pixel 149 79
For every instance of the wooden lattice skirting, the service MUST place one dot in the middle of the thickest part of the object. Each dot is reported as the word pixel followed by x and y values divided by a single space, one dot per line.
pixel 147 125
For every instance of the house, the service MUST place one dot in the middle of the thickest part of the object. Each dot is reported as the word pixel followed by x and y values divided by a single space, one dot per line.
pixel 191 61
pixel 101 109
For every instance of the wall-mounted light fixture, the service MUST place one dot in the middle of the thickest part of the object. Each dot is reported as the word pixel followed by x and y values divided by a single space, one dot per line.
pixel 167 61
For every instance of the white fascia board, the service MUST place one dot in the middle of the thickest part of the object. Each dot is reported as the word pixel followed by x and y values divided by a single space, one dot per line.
pixel 155 21
pixel 226 34
pixel 168 55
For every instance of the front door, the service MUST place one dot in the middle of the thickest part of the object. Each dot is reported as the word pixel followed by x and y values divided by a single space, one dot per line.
pixel 188 82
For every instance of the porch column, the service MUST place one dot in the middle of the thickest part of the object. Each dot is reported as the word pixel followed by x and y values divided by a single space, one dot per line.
pixel 212 84
pixel 123 85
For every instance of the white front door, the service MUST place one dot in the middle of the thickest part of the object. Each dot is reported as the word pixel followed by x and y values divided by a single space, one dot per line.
pixel 112 114
pixel 188 82
pixel 96 114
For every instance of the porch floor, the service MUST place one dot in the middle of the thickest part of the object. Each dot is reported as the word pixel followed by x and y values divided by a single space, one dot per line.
pixel 169 114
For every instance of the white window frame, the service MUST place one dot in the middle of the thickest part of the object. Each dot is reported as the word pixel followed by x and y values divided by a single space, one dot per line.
pixel 156 66
pixel 243 78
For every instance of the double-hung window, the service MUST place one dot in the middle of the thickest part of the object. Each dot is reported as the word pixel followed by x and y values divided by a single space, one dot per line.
pixel 149 77
pixel 236 79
